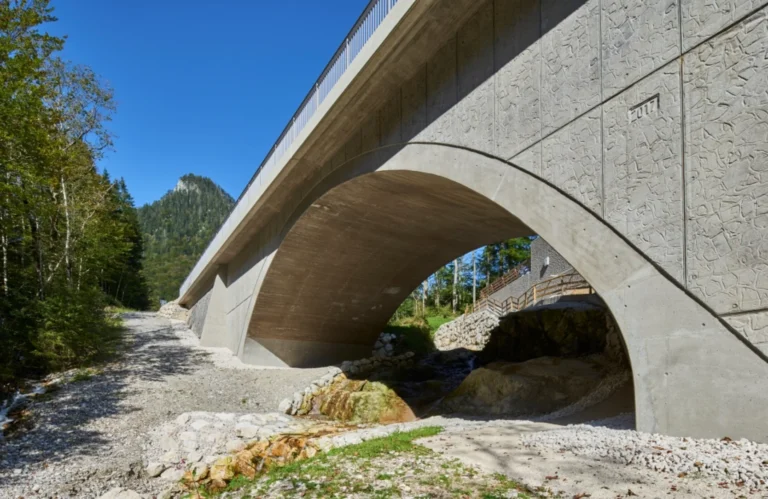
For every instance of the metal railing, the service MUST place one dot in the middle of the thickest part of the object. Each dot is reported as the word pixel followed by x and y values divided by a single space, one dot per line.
pixel 366 25
pixel 571 283
pixel 371 18
pixel 520 269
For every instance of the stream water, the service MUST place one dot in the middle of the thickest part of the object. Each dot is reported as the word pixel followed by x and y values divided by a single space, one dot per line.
pixel 17 401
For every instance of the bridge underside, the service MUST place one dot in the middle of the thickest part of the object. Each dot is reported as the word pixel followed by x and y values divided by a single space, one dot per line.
pixel 358 252
pixel 619 146
pixel 367 235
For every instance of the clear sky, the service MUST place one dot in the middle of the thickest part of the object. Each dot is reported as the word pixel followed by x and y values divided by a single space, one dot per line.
pixel 202 86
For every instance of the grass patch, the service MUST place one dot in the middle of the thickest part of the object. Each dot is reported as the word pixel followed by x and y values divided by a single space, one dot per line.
pixel 435 321
pixel 310 470
pixel 84 374
pixel 391 466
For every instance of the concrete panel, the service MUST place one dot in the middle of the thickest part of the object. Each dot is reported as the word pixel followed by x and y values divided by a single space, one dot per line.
pixel 339 157
pixel 474 112
pixel 570 45
pixel 354 145
pixel 441 94
pixel 370 133
pixel 638 38
pixel 215 332
pixel 572 160
pixel 244 272
pixel 517 55
pixel 237 323
pixel 198 313
pixel 530 159
pixel 754 327
pixel 390 119
pixel 726 107
pixel 702 19
pixel 255 353
pixel 643 167
pixel 414 95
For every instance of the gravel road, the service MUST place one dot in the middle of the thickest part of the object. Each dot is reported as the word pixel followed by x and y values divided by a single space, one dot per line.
pixel 88 437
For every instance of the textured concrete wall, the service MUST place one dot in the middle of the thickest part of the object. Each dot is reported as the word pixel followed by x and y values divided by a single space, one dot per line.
pixel 197 314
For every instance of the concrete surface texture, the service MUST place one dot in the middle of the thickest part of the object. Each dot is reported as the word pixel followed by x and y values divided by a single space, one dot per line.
pixel 630 135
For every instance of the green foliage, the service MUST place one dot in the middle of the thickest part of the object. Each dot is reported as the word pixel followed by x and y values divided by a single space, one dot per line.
pixel 177 228
pixel 66 232
pixel 413 335
pixel 498 259
pixel 75 329
pixel 451 291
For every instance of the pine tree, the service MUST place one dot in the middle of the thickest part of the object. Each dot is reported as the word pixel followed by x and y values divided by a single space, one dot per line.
pixel 177 228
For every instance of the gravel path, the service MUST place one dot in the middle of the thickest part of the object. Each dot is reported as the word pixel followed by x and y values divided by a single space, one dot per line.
pixel 90 435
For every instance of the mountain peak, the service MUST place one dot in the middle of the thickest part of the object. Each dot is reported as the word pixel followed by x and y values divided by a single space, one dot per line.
pixel 177 228
pixel 184 186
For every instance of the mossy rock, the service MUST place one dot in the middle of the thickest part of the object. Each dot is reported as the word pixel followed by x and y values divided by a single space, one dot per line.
pixel 537 386
pixel 361 401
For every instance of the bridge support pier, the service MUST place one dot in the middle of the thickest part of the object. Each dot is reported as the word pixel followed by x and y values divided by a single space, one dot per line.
pixel 215 333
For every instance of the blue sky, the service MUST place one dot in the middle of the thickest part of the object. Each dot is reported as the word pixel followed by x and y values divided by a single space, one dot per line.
pixel 202 86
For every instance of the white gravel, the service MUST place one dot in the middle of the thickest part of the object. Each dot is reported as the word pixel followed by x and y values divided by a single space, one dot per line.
pixel 737 463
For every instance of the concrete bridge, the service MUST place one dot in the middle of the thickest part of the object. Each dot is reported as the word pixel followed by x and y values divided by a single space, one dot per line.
pixel 631 135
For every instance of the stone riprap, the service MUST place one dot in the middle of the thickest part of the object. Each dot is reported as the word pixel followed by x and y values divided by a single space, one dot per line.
pixel 385 345
pixel 301 402
pixel 172 310
pixel 204 437
pixel 470 331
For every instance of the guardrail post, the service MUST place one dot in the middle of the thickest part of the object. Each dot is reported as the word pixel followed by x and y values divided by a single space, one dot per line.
pixel 347 51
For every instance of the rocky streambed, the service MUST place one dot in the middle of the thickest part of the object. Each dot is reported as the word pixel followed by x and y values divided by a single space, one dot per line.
pixel 170 417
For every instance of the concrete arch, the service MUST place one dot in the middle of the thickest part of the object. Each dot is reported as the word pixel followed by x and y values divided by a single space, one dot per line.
pixel 693 375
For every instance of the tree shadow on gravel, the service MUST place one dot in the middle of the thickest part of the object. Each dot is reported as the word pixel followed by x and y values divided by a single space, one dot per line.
pixel 60 420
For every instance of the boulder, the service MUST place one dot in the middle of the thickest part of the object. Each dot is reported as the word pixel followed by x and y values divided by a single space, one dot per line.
pixel 534 387
pixel 121 493
pixel 154 469
pixel 551 331
pixel 361 401
pixel 223 469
